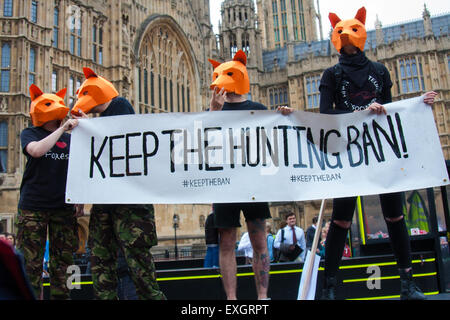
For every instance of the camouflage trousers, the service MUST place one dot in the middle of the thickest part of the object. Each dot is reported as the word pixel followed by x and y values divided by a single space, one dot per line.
pixel 61 226
pixel 130 228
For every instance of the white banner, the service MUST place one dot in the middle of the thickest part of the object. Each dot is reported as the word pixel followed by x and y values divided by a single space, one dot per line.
pixel 253 156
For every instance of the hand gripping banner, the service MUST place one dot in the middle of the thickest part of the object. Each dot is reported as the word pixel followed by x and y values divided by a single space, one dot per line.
pixel 254 156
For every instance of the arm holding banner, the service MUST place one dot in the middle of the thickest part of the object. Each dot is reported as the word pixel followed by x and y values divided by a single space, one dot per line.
pixel 285 111
pixel 37 149
pixel 428 97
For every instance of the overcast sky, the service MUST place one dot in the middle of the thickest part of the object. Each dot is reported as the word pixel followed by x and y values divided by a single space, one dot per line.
pixel 389 11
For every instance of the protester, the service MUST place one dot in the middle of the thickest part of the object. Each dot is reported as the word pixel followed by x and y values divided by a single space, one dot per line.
pixel 212 243
pixel 46 261
pixel 128 227
pixel 276 251
pixel 14 284
pixel 42 206
pixel 246 246
pixel 310 232
pixel 230 87
pixel 270 241
pixel 11 239
pixel 357 84
pixel 290 240
pixel 321 245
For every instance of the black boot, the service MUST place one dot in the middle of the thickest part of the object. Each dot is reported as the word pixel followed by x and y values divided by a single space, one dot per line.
pixel 409 290
pixel 329 289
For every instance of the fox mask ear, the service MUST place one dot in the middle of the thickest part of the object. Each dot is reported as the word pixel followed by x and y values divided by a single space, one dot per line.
pixel 35 92
pixel 214 63
pixel 88 73
pixel 334 19
pixel 241 57
pixel 62 93
pixel 361 15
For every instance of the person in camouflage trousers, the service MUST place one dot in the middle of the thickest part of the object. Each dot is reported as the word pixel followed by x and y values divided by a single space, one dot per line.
pixel 42 209
pixel 130 228
pixel 31 238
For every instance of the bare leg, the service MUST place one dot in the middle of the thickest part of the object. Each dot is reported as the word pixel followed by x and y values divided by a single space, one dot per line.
pixel 227 261
pixel 261 260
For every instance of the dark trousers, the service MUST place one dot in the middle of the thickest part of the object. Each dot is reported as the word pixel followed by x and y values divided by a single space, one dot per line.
pixel 343 210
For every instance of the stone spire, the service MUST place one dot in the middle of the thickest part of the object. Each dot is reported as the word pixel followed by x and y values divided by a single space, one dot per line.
pixel 427 21
pixel 379 31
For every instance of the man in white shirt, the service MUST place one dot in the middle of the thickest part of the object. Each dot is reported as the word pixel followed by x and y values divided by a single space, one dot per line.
pixel 246 246
pixel 290 240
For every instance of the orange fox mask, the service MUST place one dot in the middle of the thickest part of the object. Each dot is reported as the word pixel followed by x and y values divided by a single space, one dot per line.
pixel 352 31
pixel 95 90
pixel 231 75
pixel 46 107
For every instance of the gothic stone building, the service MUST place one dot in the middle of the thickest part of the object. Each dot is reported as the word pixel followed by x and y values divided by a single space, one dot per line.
pixel 287 61
pixel 155 52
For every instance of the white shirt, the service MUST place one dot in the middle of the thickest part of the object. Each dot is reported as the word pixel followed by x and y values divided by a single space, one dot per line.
pixel 288 236
pixel 246 245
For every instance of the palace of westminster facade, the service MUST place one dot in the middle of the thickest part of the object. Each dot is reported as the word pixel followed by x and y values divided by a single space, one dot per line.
pixel 156 53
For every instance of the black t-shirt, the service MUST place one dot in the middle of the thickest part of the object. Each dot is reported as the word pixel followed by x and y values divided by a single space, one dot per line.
pixel 119 106
pixel 246 105
pixel 349 97
pixel 44 180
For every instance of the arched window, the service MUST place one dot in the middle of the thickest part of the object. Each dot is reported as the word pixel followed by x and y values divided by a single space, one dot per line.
pixel 164 63
pixel 278 97
pixel 233 45
pixel 246 43
pixel 3 145
pixel 5 67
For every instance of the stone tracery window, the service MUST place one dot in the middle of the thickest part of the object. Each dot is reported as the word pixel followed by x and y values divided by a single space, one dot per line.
pixel 3 145
pixel 411 75
pixel 312 84
pixel 278 97
pixel 165 73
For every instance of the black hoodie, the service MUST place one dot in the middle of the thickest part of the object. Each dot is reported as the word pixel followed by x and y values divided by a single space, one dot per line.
pixel 360 86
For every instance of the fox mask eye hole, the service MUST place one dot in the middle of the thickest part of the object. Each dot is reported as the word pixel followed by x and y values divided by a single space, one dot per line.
pixel 340 31
pixel 85 93
pixel 48 104
pixel 355 30
pixel 230 74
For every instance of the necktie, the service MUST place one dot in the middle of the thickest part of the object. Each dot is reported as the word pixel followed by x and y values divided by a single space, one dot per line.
pixel 294 236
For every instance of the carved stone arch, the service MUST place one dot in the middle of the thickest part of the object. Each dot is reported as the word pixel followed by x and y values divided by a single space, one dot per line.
pixel 181 73
pixel 164 34
pixel 151 61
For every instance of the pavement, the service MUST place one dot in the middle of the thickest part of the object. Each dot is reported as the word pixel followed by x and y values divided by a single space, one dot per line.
pixel 440 296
